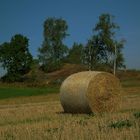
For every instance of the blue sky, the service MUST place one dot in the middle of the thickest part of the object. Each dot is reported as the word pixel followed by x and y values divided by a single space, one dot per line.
pixel 27 17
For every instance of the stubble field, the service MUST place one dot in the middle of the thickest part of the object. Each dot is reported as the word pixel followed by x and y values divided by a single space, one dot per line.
pixel 41 117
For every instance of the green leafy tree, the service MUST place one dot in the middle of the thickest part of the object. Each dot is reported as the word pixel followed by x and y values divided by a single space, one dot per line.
pixel 103 49
pixel 76 54
pixel 15 58
pixel 93 53
pixel 119 54
pixel 106 29
pixel 53 50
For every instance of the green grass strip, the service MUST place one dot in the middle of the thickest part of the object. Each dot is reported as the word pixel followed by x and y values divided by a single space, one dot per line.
pixel 11 92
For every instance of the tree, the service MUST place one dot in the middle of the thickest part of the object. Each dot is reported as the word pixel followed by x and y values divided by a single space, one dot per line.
pixel 106 29
pixel 102 49
pixel 15 58
pixel 93 53
pixel 75 54
pixel 53 50
pixel 119 54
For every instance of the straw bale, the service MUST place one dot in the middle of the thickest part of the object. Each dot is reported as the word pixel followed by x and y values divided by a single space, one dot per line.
pixel 90 92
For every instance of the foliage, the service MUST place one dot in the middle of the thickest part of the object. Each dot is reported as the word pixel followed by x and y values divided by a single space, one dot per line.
pixel 119 54
pixel 75 54
pixel 100 49
pixel 93 53
pixel 106 29
pixel 121 124
pixel 137 115
pixel 53 50
pixel 57 82
pixel 35 75
pixel 15 58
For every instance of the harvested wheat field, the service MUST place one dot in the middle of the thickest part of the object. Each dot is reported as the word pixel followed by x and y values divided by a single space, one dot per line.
pixel 42 118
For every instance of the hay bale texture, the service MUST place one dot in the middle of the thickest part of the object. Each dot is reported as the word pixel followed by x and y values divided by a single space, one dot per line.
pixel 90 92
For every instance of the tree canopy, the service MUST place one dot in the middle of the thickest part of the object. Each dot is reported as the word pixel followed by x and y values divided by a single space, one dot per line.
pixel 53 49
pixel 15 58
pixel 75 54
pixel 100 48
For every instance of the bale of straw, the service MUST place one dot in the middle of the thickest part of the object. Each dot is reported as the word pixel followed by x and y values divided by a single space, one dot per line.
pixel 90 92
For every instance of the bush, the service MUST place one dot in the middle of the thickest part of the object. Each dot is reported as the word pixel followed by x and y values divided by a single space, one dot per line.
pixel 12 77
pixel 50 67
pixel 121 124
pixel 137 115
pixel 57 81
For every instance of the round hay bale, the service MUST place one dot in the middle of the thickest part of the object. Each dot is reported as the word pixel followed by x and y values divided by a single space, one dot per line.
pixel 90 92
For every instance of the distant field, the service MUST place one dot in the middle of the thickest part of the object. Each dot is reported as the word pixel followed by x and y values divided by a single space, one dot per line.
pixel 8 91
pixel 12 92
pixel 131 82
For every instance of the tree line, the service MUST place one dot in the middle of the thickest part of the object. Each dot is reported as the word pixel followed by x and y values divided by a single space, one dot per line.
pixel 99 53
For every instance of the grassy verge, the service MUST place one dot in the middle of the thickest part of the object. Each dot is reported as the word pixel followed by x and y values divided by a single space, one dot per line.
pixel 130 83
pixel 10 92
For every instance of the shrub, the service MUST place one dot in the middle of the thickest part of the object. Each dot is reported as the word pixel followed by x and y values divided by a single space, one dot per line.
pixel 137 115
pixel 121 124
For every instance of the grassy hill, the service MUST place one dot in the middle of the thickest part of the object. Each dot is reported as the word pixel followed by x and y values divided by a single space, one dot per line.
pixel 38 78
pixel 128 77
